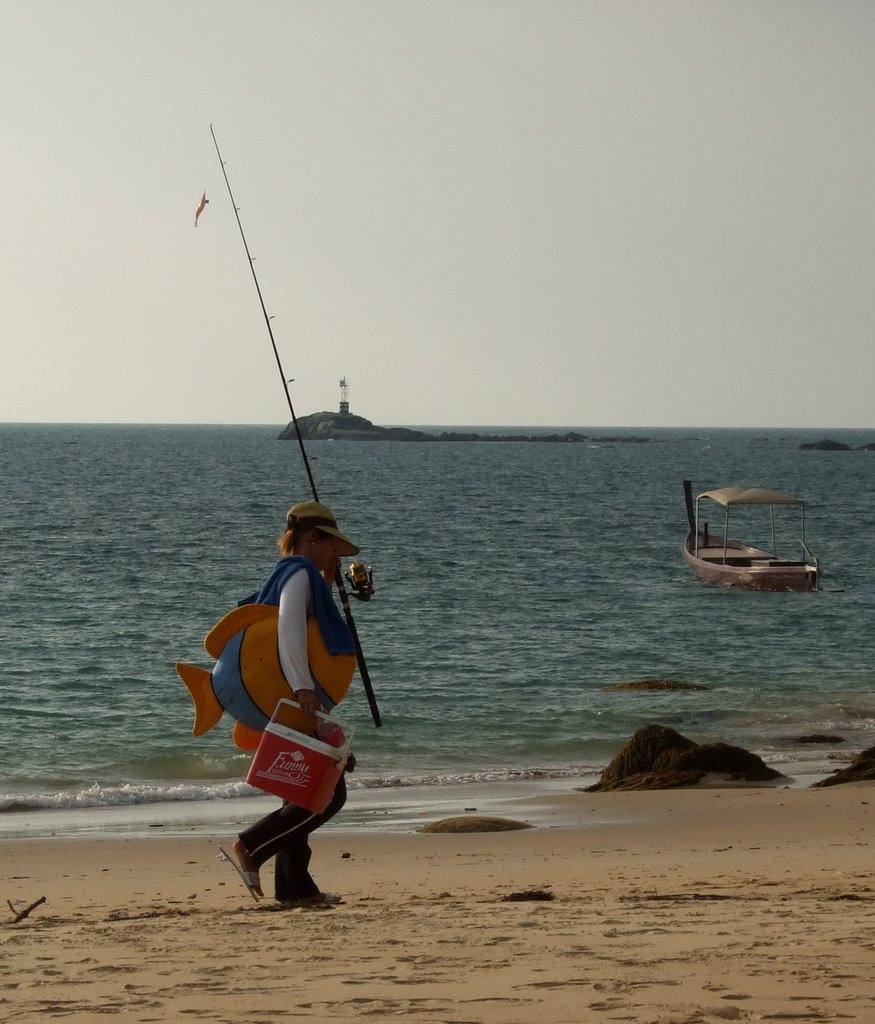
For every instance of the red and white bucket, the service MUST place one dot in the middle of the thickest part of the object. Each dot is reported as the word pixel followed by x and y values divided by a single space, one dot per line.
pixel 299 768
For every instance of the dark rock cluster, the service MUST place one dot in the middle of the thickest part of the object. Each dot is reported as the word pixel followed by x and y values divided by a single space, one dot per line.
pixel 658 757
pixel 862 767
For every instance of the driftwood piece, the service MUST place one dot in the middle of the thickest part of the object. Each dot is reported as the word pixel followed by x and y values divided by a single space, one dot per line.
pixel 527 895
pixel 22 914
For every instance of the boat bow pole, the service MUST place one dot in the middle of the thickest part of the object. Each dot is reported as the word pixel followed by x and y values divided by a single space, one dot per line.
pixel 338 577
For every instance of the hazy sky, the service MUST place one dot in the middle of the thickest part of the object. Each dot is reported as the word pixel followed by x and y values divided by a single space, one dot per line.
pixel 478 211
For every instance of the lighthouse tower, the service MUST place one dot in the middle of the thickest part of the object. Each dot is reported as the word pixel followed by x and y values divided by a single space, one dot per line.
pixel 344 397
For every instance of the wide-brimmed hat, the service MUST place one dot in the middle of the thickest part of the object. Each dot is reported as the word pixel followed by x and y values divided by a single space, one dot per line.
pixel 314 514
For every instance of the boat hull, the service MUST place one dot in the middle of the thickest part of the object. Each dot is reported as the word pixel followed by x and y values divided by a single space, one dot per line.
pixel 746 567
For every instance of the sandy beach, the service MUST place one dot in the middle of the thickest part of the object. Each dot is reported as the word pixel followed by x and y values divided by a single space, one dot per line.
pixel 675 907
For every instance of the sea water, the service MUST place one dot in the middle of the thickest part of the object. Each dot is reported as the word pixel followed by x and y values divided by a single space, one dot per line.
pixel 516 584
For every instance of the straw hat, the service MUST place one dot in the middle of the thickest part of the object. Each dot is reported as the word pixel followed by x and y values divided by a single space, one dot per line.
pixel 308 514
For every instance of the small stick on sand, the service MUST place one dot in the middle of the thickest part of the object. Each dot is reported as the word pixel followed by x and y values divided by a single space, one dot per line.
pixel 23 914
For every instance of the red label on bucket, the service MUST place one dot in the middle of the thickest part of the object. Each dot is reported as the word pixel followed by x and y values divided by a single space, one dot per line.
pixel 290 766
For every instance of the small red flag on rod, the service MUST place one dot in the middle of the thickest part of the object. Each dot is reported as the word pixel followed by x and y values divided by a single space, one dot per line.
pixel 200 208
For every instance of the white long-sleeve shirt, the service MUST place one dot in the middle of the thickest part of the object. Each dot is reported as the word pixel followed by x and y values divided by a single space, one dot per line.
pixel 296 603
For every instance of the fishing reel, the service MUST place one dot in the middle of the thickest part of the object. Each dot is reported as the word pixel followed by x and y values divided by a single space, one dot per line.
pixel 361 580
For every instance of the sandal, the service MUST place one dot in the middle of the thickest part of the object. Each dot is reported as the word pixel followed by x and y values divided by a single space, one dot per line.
pixel 322 899
pixel 250 879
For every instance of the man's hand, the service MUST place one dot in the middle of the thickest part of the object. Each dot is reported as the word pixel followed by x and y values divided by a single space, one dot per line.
pixel 308 701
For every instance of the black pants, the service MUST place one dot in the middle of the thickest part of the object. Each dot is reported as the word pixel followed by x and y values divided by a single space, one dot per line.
pixel 284 834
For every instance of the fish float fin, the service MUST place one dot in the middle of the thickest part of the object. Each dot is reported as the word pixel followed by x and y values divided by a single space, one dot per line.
pixel 233 622
pixel 245 737
pixel 207 710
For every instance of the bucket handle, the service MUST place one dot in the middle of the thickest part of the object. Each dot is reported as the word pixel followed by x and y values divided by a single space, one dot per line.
pixel 348 730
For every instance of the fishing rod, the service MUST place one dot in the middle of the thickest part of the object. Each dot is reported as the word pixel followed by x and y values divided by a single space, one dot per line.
pixel 338 577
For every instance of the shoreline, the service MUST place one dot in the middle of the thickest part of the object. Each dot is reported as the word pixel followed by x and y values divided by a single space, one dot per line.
pixel 697 905
pixel 394 809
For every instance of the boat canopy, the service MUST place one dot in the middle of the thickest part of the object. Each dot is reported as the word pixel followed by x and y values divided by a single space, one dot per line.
pixel 749 496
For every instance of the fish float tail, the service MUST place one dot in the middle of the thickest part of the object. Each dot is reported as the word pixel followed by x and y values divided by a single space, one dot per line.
pixel 207 710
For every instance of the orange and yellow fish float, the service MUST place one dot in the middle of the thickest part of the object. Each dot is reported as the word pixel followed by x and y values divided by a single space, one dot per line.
pixel 247 680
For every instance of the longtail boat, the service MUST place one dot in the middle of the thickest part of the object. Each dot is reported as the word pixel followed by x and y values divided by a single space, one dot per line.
pixel 717 558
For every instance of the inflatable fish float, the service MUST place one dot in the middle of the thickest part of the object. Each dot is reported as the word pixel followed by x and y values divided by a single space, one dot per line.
pixel 247 680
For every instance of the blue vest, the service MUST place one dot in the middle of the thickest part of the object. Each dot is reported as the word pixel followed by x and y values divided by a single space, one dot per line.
pixel 334 630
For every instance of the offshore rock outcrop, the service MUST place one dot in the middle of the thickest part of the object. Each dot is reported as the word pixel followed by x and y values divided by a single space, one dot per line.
pixel 828 445
pixel 655 685
pixel 658 757
pixel 336 426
